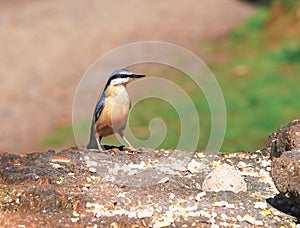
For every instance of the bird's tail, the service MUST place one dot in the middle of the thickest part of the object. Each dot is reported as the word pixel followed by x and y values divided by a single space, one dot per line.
pixel 92 143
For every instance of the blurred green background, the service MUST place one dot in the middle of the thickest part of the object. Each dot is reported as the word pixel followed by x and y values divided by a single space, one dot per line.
pixel 258 68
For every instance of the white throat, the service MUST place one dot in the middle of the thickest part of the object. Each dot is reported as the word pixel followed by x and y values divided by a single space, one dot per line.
pixel 118 81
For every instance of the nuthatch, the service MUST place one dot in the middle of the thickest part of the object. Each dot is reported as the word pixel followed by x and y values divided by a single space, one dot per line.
pixel 111 112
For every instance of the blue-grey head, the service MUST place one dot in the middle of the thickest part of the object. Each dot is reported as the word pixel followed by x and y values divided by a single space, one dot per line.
pixel 122 77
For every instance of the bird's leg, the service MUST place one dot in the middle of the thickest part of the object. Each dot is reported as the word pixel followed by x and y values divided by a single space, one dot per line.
pixel 98 139
pixel 130 147
pixel 123 137
pixel 121 134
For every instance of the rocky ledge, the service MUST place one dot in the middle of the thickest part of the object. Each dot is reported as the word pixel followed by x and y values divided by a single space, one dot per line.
pixel 77 187
pixel 284 148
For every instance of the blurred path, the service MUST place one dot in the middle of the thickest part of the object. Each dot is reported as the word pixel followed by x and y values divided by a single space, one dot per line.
pixel 46 46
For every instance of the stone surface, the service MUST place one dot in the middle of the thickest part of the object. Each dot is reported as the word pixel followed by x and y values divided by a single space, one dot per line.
pixel 284 148
pixel 286 173
pixel 284 139
pixel 151 188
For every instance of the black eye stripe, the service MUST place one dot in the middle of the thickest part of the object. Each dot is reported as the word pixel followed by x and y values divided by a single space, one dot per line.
pixel 120 76
pixel 124 75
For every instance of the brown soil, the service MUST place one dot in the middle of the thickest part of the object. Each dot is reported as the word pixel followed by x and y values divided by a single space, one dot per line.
pixel 46 46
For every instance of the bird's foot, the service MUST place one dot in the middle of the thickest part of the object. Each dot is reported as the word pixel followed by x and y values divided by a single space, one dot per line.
pixel 130 149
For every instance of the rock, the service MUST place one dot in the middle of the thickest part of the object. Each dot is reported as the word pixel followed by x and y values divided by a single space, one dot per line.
pixel 284 139
pixel 224 178
pixel 286 173
pixel 284 148
pixel 34 193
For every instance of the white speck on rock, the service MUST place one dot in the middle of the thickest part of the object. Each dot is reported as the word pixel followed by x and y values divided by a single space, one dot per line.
pixel 159 224
pixel 172 196
pixel 194 166
pixel 260 205
pixel 144 213
pixel 110 178
pixel 138 166
pixel 92 169
pixel 163 180
pixel 132 172
pixel 200 195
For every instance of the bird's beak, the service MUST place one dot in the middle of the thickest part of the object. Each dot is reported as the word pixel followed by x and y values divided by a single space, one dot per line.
pixel 134 76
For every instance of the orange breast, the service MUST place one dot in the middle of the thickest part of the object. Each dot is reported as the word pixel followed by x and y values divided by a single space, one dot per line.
pixel 114 115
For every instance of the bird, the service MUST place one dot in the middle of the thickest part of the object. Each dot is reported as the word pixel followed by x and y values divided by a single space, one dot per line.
pixel 111 111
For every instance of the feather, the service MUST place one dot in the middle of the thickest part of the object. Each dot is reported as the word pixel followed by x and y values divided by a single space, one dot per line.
pixel 97 112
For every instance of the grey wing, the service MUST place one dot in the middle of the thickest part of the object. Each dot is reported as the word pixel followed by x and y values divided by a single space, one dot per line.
pixel 98 109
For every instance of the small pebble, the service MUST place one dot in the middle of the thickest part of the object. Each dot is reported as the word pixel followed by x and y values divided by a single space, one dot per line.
pixel 144 213
pixel 93 170
pixel 248 218
pixel 194 166
pixel 88 179
pixel 260 205
pixel 172 196
pixel 122 194
pixel 161 224
pixel 223 224
pixel 200 155
pixel 224 216
pixel 74 219
pixel 205 214
pixel 265 163
pixel 239 218
pixel 163 180
pixel 214 214
pixel 56 166
pixel 76 214
pixel 258 223
pixel 200 195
